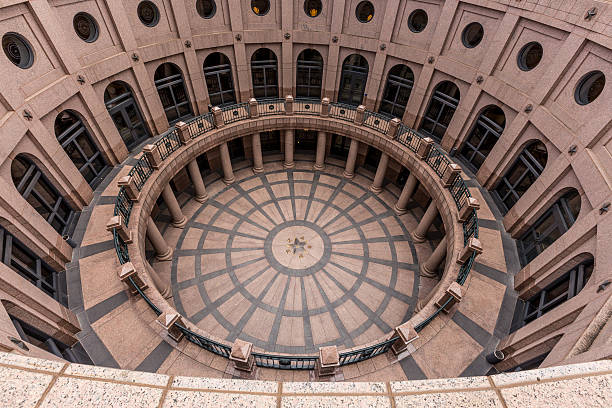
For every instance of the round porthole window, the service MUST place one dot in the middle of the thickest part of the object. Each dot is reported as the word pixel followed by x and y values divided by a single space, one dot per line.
pixel 313 8
pixel 18 50
pixel 417 21
pixel 365 11
pixel 260 7
pixel 472 35
pixel 206 8
pixel 590 87
pixel 530 56
pixel 85 27
pixel 148 13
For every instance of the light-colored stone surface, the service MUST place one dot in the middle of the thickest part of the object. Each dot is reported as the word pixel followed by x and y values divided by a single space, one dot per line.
pixel 336 401
pixel 107 373
pixel 28 362
pixel 224 384
pixel 440 384
pixel 550 372
pixel 176 399
pixel 474 399
pixel 20 388
pixel 334 387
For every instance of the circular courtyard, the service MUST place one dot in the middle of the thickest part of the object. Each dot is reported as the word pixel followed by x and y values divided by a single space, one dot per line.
pixel 292 260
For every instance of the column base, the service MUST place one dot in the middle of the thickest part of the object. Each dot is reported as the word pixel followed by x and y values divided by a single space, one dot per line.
pixel 166 256
pixel 348 175
pixel 258 170
pixel 201 199
pixel 375 189
pixel 180 223
pixel 399 211
pixel 417 238
pixel 166 293
pixel 229 181
pixel 319 167
pixel 288 165
pixel 425 272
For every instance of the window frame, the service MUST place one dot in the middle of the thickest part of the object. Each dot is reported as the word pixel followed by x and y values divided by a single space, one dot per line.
pixel 397 109
pixel 447 102
pixel 268 67
pixel 169 83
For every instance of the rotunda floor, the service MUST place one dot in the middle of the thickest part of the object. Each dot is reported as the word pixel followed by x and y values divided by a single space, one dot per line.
pixel 292 260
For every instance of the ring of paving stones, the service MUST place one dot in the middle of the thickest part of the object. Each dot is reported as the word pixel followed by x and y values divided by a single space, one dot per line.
pixel 293 260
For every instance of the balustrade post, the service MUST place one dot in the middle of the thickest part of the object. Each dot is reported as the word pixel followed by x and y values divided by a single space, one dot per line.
pixel 289 105
pixel 198 184
pixel 257 157
pixel 241 355
pixel 128 271
pixel 320 157
pixel 379 177
pixel 218 117
pixel 393 126
pixel 473 246
pixel 407 191
pixel 360 115
pixel 116 223
pixel 329 361
pixel 253 110
pixel 129 186
pixel 325 107
pixel 428 268
pixel 406 335
pixel 420 232
pixel 453 293
pixel 167 320
pixel 289 146
pixel 452 171
pixel 226 163
pixel 182 131
pixel 162 251
pixel 424 148
pixel 153 155
pixel 178 218
pixel 471 204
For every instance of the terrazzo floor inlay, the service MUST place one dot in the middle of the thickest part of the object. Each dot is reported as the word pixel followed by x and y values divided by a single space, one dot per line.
pixel 292 260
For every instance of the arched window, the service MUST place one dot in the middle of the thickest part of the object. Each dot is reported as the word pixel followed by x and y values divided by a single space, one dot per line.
pixel 484 135
pixel 124 110
pixel 309 74
pixel 353 80
pixel 441 109
pixel 41 194
pixel 218 76
pixel 397 91
pixel 264 70
pixel 171 89
pixel 561 290
pixel 22 260
pixel 549 227
pixel 523 173
pixel 78 145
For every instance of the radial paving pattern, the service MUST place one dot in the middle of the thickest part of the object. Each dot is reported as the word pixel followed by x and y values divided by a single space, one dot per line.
pixel 293 260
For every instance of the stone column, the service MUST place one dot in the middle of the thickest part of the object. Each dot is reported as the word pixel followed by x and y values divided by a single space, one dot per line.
pixel 321 144
pixel 289 142
pixel 428 269
pixel 379 178
pixel 226 163
pixel 406 194
pixel 162 287
pixel 162 250
pixel 257 158
pixel 178 219
pixel 421 230
pixel 198 184
pixel 349 171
